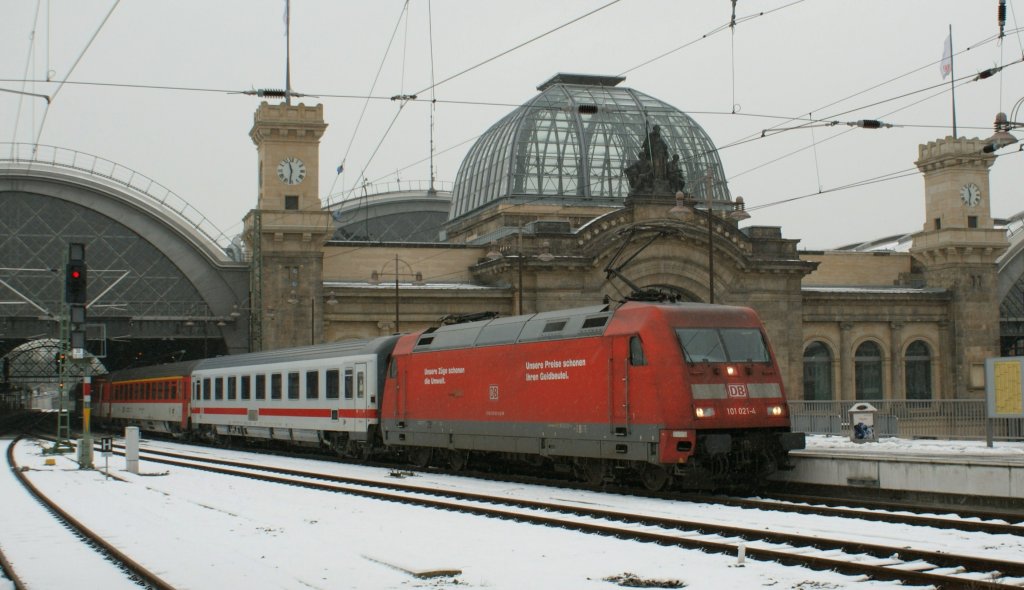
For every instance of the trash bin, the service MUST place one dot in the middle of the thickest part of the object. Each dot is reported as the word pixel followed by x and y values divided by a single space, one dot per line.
pixel 862 423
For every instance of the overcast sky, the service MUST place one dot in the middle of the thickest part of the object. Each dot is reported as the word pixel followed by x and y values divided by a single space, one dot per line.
pixel 830 59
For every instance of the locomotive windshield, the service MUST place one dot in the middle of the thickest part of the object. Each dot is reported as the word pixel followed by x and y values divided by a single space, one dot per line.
pixel 723 345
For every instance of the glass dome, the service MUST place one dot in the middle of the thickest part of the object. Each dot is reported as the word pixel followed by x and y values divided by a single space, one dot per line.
pixel 572 143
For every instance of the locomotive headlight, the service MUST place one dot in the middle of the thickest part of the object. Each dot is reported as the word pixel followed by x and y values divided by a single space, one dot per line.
pixel 730 370
pixel 774 410
pixel 704 412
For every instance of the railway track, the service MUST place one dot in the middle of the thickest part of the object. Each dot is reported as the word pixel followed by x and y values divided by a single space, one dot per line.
pixel 135 573
pixel 882 562
pixel 972 521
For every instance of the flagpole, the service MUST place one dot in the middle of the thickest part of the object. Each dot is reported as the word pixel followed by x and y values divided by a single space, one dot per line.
pixel 288 54
pixel 952 79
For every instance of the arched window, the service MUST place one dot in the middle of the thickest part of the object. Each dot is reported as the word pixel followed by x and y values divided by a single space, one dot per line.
pixel 918 370
pixel 868 370
pixel 817 372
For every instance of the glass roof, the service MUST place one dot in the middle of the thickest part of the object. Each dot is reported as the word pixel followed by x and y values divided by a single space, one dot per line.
pixel 572 142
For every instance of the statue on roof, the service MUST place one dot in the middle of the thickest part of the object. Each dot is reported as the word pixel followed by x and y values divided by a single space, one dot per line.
pixel 652 173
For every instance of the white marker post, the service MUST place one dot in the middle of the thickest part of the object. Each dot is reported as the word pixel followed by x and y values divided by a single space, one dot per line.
pixel 131 449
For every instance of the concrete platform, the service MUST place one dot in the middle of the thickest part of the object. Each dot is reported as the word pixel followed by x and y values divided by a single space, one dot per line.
pixel 914 468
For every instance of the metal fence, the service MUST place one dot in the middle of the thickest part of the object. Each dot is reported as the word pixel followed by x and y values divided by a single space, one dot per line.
pixel 941 419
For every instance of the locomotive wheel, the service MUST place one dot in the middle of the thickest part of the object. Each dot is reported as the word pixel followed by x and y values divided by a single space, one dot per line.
pixel 420 456
pixel 457 459
pixel 654 477
pixel 591 471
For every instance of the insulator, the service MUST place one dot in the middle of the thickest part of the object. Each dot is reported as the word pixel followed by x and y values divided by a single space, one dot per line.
pixel 587 109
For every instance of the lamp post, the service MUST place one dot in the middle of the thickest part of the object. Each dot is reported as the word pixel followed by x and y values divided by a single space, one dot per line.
pixel 417 279
pixel 544 256
pixel 684 210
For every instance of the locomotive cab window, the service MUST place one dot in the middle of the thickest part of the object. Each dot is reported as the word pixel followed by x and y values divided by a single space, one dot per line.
pixel 713 345
pixel 636 352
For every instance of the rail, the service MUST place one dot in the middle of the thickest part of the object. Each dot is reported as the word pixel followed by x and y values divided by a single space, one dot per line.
pixel 942 419
pixel 139 184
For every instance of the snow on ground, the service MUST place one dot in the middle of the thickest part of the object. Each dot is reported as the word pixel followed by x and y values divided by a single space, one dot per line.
pixel 1011 450
pixel 201 530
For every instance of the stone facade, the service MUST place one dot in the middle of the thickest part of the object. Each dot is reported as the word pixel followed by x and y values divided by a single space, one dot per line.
pixel 520 257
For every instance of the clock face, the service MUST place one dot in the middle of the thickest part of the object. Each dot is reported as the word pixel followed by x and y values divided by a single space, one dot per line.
pixel 291 171
pixel 970 194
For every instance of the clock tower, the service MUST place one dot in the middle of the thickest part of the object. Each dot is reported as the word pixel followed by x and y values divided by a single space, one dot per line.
pixel 287 229
pixel 957 250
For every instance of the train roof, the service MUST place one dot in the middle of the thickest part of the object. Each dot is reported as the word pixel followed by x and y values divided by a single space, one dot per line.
pixel 551 325
pixel 377 346
pixel 565 323
pixel 179 369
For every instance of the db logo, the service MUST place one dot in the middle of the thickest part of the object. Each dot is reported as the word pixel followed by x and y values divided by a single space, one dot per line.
pixel 737 390
pixel 492 392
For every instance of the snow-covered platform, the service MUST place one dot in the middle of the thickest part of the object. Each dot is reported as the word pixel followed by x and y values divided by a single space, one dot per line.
pixel 908 467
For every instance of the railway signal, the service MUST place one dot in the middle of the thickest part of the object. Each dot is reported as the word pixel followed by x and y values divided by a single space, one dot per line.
pixel 75 275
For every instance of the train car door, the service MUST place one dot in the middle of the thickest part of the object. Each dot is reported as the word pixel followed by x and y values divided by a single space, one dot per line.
pixel 362 395
pixel 618 386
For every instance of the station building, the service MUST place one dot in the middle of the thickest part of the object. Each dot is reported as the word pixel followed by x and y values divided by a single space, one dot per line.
pixel 589 193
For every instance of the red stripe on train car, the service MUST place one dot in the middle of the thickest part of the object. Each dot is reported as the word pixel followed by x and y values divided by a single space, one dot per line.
pixel 228 411
pixel 292 412
pixel 297 412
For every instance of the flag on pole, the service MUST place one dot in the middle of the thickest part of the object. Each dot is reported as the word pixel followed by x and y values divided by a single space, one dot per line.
pixel 946 65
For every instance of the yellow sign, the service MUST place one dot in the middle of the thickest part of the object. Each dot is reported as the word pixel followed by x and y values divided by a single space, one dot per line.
pixel 1009 398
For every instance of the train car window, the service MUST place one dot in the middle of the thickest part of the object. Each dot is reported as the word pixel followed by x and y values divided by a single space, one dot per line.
pixel 293 385
pixel 393 369
pixel 636 352
pixel 218 388
pixel 348 383
pixel 195 390
pixel 312 384
pixel 207 388
pixel 246 383
pixel 232 387
pixel 172 390
pixel 275 386
pixel 360 384
pixel 333 383
pixel 261 387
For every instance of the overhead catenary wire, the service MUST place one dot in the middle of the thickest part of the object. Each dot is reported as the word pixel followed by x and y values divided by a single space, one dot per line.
pixel 71 70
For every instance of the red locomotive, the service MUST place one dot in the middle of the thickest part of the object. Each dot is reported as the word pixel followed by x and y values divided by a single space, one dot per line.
pixel 686 391
pixel 683 393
